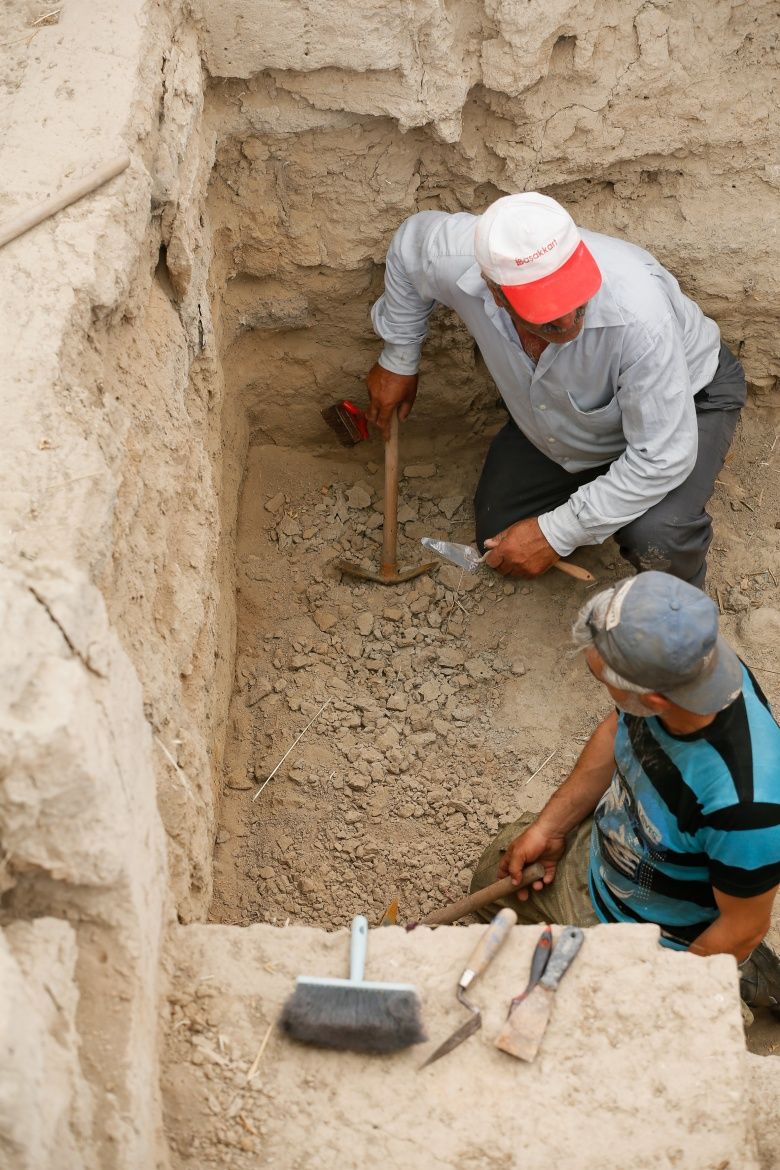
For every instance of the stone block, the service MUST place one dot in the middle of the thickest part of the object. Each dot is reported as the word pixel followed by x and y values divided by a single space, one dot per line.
pixel 642 1064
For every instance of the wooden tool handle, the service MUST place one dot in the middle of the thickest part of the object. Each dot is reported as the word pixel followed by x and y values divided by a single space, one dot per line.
pixel 574 571
pixel 27 219
pixel 499 889
pixel 390 529
pixel 488 946
pixel 563 952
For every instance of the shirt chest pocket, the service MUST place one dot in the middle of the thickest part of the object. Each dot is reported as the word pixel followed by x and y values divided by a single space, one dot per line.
pixel 603 420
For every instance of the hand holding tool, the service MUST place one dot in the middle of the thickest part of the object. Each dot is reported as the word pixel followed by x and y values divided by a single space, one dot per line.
pixel 525 1028
pixel 389 573
pixel 491 942
pixel 471 903
pixel 465 556
pixel 350 1013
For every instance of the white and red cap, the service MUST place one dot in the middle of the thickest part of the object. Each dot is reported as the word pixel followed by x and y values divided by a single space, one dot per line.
pixel 530 246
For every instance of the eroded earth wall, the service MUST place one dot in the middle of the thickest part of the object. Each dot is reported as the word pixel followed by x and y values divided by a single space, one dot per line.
pixel 135 369
pixel 116 594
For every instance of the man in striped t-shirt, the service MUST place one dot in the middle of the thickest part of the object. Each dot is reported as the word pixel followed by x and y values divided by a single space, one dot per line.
pixel 672 813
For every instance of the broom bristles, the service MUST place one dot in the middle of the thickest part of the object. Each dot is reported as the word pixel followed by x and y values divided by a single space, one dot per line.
pixel 347 421
pixel 357 1017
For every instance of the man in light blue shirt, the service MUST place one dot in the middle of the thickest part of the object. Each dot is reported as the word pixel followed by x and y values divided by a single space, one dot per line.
pixel 622 399
pixel 671 815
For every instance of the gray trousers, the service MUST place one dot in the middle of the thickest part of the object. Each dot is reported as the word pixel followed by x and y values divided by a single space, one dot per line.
pixel 674 535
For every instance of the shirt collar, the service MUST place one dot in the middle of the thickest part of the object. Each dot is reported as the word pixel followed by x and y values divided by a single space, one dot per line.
pixel 472 283
pixel 602 309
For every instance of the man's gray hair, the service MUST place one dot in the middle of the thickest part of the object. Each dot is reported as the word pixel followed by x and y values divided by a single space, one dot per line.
pixel 591 620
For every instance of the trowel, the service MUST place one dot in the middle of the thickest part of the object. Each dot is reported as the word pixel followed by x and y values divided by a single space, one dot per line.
pixel 465 556
pixel 490 943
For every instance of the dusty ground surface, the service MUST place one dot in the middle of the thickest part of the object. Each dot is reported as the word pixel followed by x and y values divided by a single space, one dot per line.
pixel 238 1094
pixel 454 702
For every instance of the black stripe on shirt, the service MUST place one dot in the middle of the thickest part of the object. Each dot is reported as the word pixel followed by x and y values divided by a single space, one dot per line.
pixel 757 688
pixel 676 932
pixel 698 893
pixel 644 874
pixel 738 817
pixel 729 735
pixel 656 852
pixel 744 883
pixel 665 776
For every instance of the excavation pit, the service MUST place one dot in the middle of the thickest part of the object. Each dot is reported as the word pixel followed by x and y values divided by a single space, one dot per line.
pixel 453 702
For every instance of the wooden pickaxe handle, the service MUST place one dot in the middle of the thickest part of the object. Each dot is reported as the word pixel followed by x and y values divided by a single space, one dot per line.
pixel 499 889
pixel 389 565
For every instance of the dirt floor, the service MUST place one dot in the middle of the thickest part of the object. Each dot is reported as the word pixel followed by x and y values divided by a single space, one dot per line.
pixel 453 702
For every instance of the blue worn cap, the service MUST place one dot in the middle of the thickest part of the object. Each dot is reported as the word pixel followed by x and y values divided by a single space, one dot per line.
pixel 662 633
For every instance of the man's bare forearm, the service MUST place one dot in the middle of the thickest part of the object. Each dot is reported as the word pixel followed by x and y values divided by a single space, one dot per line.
pixel 590 778
pixel 740 926
pixel 722 939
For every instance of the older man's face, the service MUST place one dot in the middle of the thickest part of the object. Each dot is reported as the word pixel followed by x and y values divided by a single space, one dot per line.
pixel 627 701
pixel 558 332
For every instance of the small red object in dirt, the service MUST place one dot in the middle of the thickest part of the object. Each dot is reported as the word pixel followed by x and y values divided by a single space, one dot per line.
pixel 348 421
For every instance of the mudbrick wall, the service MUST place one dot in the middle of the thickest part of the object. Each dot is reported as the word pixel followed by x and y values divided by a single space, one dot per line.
pixel 211 295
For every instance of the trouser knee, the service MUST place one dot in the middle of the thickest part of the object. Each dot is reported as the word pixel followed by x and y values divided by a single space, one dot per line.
pixel 487 521
pixel 677 547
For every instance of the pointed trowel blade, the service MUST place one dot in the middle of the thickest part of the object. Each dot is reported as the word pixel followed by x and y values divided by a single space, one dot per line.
pixel 465 556
pixel 458 1036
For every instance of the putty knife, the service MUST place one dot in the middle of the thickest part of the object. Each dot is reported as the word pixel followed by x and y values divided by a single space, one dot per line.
pixel 525 1028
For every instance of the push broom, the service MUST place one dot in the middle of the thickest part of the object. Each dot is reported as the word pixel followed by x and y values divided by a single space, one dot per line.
pixel 350 1013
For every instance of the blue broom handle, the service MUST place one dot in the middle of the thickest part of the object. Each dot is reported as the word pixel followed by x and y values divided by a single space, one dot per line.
pixel 357 948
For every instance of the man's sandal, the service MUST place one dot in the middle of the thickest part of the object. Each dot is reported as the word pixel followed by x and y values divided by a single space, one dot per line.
pixel 759 979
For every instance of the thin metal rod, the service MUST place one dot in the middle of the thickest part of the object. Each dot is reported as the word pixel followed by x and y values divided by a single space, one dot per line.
pixel 290 748
pixel 72 192
pixel 542 765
